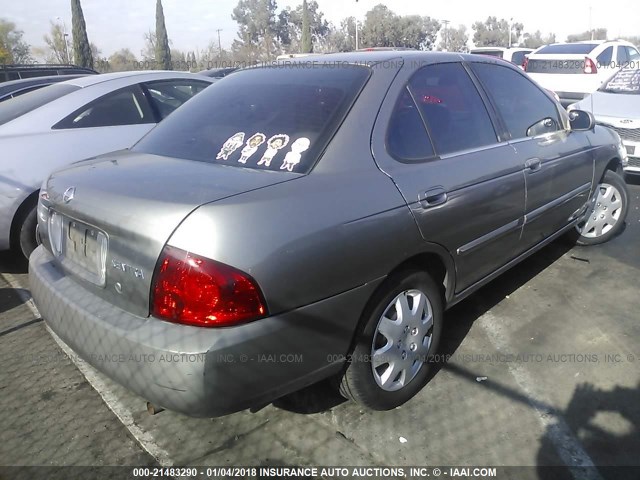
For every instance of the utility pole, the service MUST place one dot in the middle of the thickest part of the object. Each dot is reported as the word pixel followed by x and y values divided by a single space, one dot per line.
pixel 446 35
pixel 219 44
pixel 590 24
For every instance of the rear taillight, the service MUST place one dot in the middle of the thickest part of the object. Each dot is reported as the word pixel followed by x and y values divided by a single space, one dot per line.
pixel 525 63
pixel 589 66
pixel 195 290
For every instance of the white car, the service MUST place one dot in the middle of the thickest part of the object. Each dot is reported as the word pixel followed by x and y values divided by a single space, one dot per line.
pixel 616 104
pixel 515 55
pixel 574 70
pixel 63 123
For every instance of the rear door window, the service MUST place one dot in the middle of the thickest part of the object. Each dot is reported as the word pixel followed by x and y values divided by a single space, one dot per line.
pixel 452 107
pixel 525 109
pixel 278 118
pixel 126 106
pixel 604 59
pixel 407 138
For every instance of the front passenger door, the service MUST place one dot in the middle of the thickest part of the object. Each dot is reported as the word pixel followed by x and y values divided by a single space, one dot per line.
pixel 558 164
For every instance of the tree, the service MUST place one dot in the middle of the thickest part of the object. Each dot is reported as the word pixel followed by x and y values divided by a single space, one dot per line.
pixel 306 45
pixel 633 39
pixel 123 60
pixel 59 50
pixel 454 40
pixel 535 40
pixel 257 30
pixel 340 39
pixel 598 34
pixel 383 28
pixel 12 48
pixel 495 33
pixel 149 52
pixel 290 28
pixel 81 47
pixel 163 51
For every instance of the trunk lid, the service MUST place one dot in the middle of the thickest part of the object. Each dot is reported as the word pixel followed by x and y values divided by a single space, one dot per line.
pixel 136 200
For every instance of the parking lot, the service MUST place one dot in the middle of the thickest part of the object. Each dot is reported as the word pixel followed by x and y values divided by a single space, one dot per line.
pixel 537 369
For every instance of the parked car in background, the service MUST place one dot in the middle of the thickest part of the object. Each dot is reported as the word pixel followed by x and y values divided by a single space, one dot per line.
pixel 574 70
pixel 616 104
pixel 17 72
pixel 15 88
pixel 515 55
pixel 314 219
pixel 71 121
pixel 218 72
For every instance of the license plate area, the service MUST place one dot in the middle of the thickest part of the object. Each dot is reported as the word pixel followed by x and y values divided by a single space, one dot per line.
pixel 81 248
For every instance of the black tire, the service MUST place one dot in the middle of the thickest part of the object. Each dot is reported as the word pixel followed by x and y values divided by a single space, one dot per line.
pixel 594 234
pixel 27 232
pixel 358 382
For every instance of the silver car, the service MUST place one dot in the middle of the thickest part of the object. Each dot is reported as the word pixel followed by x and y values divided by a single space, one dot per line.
pixel 314 219
pixel 70 121
pixel 617 105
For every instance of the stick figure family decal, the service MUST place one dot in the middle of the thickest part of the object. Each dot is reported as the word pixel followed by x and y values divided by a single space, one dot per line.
pixel 274 145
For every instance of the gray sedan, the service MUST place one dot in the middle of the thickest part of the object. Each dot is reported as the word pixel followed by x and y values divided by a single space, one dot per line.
pixel 70 121
pixel 311 220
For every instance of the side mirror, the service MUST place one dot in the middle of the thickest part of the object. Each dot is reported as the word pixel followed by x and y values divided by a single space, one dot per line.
pixel 581 120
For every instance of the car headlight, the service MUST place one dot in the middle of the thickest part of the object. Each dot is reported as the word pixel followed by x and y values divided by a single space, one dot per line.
pixel 622 150
pixel 43 209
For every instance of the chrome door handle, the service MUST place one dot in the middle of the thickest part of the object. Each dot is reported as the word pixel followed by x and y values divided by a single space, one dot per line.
pixel 432 197
pixel 533 164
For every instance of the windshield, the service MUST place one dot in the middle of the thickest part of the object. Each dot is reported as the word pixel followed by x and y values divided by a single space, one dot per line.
pixel 275 118
pixel 571 48
pixel 624 81
pixel 12 109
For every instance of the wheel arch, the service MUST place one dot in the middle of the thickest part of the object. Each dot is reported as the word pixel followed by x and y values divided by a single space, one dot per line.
pixel 23 210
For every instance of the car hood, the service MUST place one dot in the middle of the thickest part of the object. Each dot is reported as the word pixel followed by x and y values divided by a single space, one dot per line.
pixel 615 105
pixel 138 200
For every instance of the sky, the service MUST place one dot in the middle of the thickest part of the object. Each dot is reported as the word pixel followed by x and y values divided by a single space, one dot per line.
pixel 192 24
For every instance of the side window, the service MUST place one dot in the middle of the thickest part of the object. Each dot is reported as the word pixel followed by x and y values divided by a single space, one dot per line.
pixel 604 59
pixel 407 138
pixel 622 56
pixel 126 106
pixel 518 57
pixel 452 107
pixel 167 96
pixel 525 109
pixel 634 56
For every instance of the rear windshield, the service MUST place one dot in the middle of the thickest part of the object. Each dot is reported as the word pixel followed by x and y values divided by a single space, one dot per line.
pixel 625 81
pixel 570 48
pixel 12 109
pixel 276 118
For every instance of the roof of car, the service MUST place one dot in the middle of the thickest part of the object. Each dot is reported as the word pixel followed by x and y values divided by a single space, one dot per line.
pixel 105 77
pixel 381 56
pixel 38 81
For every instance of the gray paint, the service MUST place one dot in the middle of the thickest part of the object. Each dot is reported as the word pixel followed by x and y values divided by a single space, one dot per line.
pixel 317 244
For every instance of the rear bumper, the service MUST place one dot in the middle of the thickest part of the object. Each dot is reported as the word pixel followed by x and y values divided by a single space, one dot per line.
pixel 198 371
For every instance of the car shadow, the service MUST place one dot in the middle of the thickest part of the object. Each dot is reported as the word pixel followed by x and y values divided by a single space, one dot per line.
pixel 12 262
pixel 460 318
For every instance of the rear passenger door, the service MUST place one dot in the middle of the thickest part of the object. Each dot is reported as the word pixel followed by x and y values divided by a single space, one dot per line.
pixel 465 187
pixel 558 163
